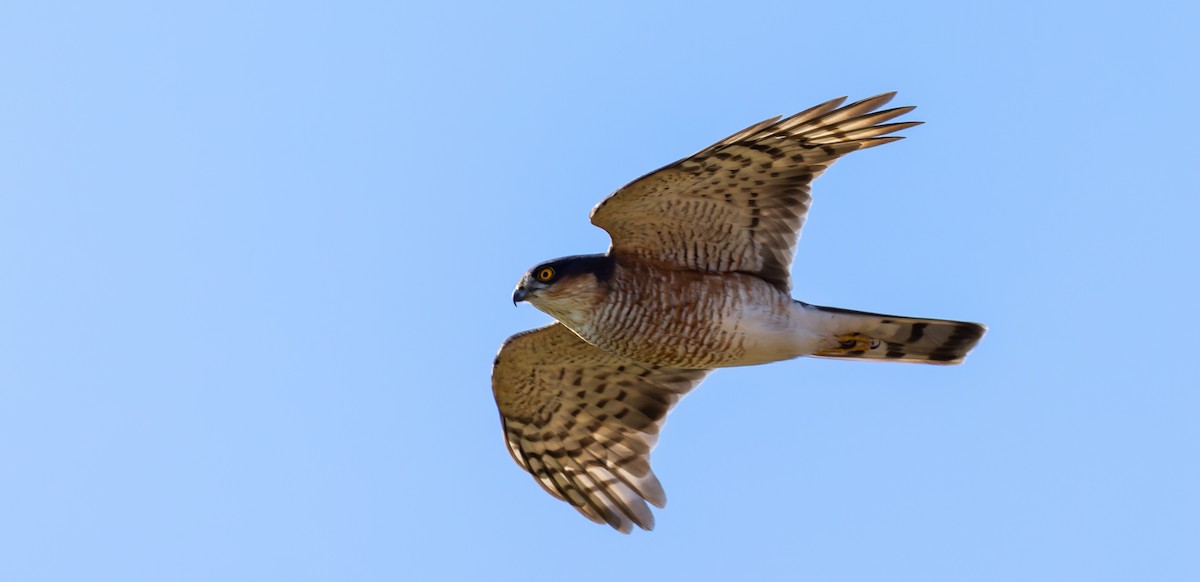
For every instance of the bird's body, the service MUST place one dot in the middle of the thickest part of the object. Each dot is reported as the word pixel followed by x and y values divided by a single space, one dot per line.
pixel 685 319
pixel 697 278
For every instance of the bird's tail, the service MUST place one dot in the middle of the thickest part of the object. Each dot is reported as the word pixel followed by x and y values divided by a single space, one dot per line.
pixel 859 335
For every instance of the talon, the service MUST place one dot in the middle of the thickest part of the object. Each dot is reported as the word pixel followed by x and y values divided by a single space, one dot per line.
pixel 851 344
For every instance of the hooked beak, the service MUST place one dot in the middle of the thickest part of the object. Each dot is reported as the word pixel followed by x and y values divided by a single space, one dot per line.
pixel 519 295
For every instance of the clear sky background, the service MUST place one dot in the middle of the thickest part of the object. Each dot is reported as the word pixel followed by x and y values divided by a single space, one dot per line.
pixel 256 258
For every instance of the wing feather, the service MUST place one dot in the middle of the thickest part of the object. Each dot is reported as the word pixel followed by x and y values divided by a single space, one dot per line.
pixel 582 421
pixel 739 204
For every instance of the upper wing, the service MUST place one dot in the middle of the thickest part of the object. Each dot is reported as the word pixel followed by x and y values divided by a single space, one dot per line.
pixel 738 204
pixel 583 421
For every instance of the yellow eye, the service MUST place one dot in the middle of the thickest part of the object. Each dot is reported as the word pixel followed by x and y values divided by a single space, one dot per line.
pixel 545 274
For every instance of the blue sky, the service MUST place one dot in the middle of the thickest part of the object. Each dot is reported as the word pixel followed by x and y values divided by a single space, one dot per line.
pixel 256 259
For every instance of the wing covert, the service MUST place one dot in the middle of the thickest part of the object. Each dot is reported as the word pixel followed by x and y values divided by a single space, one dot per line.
pixel 582 421
pixel 739 204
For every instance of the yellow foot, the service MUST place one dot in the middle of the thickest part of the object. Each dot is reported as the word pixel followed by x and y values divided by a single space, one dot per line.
pixel 851 344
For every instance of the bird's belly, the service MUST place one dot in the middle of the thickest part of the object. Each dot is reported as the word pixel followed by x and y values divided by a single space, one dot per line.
pixel 711 330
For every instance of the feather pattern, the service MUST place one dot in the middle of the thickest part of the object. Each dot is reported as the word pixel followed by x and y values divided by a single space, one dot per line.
pixel 583 421
pixel 739 204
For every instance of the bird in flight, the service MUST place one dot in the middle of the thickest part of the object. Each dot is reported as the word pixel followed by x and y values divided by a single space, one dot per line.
pixel 698 277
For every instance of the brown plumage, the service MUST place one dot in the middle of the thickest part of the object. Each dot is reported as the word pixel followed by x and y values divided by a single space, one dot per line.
pixel 697 277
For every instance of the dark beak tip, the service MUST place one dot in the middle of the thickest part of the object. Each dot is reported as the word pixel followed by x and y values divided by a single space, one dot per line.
pixel 518 296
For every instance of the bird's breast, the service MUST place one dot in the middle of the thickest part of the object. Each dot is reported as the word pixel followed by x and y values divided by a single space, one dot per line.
pixel 687 319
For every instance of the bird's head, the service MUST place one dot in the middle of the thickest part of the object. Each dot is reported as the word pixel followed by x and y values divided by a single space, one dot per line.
pixel 566 288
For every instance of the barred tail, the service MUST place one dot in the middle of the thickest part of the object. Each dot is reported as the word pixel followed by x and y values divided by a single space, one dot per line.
pixel 872 336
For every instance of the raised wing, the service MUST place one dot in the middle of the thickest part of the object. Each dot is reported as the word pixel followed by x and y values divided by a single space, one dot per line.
pixel 738 205
pixel 583 421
